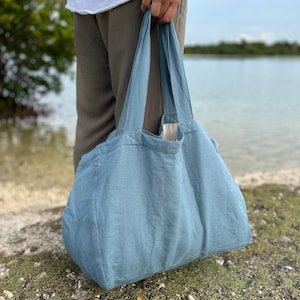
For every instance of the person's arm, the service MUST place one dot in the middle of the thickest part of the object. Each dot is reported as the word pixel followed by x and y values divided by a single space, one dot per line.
pixel 162 11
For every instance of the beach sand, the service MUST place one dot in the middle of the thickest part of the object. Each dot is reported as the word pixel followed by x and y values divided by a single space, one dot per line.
pixel 285 177
pixel 16 197
pixel 30 209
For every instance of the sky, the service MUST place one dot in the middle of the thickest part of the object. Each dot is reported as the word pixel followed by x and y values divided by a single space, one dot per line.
pixel 212 21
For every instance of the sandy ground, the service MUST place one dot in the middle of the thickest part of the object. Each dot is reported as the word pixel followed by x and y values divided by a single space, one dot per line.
pixel 25 210
pixel 25 228
pixel 19 197
pixel 286 177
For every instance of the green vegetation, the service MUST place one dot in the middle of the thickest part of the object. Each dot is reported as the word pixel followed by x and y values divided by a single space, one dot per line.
pixel 36 47
pixel 245 48
pixel 269 268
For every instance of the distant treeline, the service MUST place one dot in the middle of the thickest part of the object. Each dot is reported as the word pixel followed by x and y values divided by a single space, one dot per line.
pixel 245 48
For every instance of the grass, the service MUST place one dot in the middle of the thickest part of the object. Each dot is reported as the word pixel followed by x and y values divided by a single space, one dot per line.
pixel 269 268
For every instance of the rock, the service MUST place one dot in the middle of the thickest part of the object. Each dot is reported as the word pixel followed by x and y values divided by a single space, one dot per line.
pixel 220 261
pixel 290 268
pixel 161 286
pixel 8 294
pixel 4 272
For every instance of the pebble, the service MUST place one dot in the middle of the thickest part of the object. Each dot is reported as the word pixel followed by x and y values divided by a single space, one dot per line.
pixel 42 275
pixel 4 272
pixel 220 261
pixel 161 286
pixel 290 268
pixel 8 294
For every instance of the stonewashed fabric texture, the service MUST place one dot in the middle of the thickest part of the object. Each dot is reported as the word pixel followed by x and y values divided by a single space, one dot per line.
pixel 141 204
pixel 92 6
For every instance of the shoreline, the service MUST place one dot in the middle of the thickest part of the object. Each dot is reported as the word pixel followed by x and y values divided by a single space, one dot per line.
pixel 289 177
pixel 16 197
pixel 27 223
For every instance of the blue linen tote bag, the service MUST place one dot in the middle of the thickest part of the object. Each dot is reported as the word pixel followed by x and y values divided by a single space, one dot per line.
pixel 143 204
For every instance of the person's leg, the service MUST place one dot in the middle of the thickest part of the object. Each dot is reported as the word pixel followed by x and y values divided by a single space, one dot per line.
pixel 105 46
pixel 95 100
pixel 121 39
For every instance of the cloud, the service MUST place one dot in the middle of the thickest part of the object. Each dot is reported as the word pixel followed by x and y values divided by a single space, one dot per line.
pixel 266 37
pixel 230 20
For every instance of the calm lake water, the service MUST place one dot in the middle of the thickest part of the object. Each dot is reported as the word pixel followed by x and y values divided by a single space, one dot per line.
pixel 251 106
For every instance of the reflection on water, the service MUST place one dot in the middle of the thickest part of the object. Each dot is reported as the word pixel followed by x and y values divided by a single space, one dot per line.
pixel 30 136
pixel 35 154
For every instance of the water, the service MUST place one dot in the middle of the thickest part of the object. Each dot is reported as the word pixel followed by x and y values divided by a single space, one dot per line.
pixel 252 107
pixel 249 105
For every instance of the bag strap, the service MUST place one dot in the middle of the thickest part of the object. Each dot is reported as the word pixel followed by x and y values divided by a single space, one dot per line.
pixel 176 100
pixel 132 116
pixel 175 92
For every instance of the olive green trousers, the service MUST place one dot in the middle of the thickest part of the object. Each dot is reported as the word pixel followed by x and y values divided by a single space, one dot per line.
pixel 105 45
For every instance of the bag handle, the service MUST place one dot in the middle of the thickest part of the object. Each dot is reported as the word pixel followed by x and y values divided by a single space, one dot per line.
pixel 132 116
pixel 175 92
pixel 176 100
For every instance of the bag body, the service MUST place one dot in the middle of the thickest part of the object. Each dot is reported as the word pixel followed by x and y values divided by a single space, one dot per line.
pixel 142 204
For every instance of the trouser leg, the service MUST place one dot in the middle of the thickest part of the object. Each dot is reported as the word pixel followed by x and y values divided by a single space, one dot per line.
pixel 95 100
pixel 120 38
pixel 105 46
pixel 180 22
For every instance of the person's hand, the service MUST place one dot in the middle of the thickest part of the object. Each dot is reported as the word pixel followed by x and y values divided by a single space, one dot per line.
pixel 162 11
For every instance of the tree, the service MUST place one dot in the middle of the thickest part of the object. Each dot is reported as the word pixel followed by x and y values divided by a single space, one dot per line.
pixel 36 47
